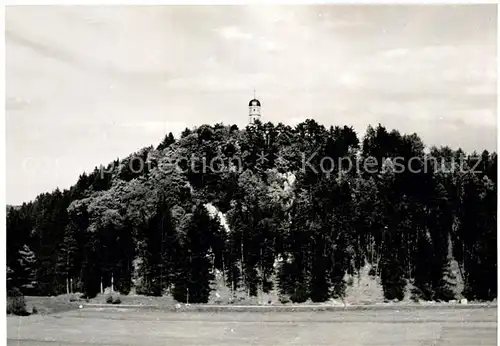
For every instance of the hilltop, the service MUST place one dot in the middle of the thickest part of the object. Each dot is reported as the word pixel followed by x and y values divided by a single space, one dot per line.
pixel 268 209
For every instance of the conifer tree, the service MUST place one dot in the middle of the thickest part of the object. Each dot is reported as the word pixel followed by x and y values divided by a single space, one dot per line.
pixel 68 252
pixel 192 282
pixel 167 141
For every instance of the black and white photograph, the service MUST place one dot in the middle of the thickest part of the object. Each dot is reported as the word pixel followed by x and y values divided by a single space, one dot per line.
pixel 251 174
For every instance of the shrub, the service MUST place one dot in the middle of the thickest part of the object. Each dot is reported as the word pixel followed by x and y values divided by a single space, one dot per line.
pixel 421 293
pixel 113 299
pixel 372 272
pixel 300 295
pixel 74 297
pixel 16 303
pixel 393 284
pixel 284 299
pixel 339 288
pixel 148 289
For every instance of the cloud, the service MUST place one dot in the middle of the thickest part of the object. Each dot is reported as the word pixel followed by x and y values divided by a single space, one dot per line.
pixel 97 67
pixel 16 103
pixel 475 117
pixel 233 33
pixel 53 52
pixel 397 52
pixel 480 89
pixel 343 23
pixel 219 82
pixel 269 45
pixel 163 127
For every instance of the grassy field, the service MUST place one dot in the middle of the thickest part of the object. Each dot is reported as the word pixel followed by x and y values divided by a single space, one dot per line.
pixel 383 327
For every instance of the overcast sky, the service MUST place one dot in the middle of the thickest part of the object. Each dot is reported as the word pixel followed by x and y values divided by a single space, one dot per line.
pixel 86 85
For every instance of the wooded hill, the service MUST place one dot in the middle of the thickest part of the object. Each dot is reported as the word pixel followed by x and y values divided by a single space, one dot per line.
pixel 144 224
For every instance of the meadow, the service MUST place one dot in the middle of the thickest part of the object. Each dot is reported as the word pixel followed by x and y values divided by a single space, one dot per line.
pixel 471 326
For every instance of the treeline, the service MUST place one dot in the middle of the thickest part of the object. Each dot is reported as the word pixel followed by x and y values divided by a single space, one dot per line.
pixel 296 220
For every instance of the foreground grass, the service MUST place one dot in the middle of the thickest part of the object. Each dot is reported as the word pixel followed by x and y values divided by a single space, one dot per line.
pixel 113 326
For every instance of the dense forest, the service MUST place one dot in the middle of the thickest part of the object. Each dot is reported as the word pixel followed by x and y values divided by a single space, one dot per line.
pixel 298 216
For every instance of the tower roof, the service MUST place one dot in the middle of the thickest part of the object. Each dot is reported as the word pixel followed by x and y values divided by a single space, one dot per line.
pixel 254 102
